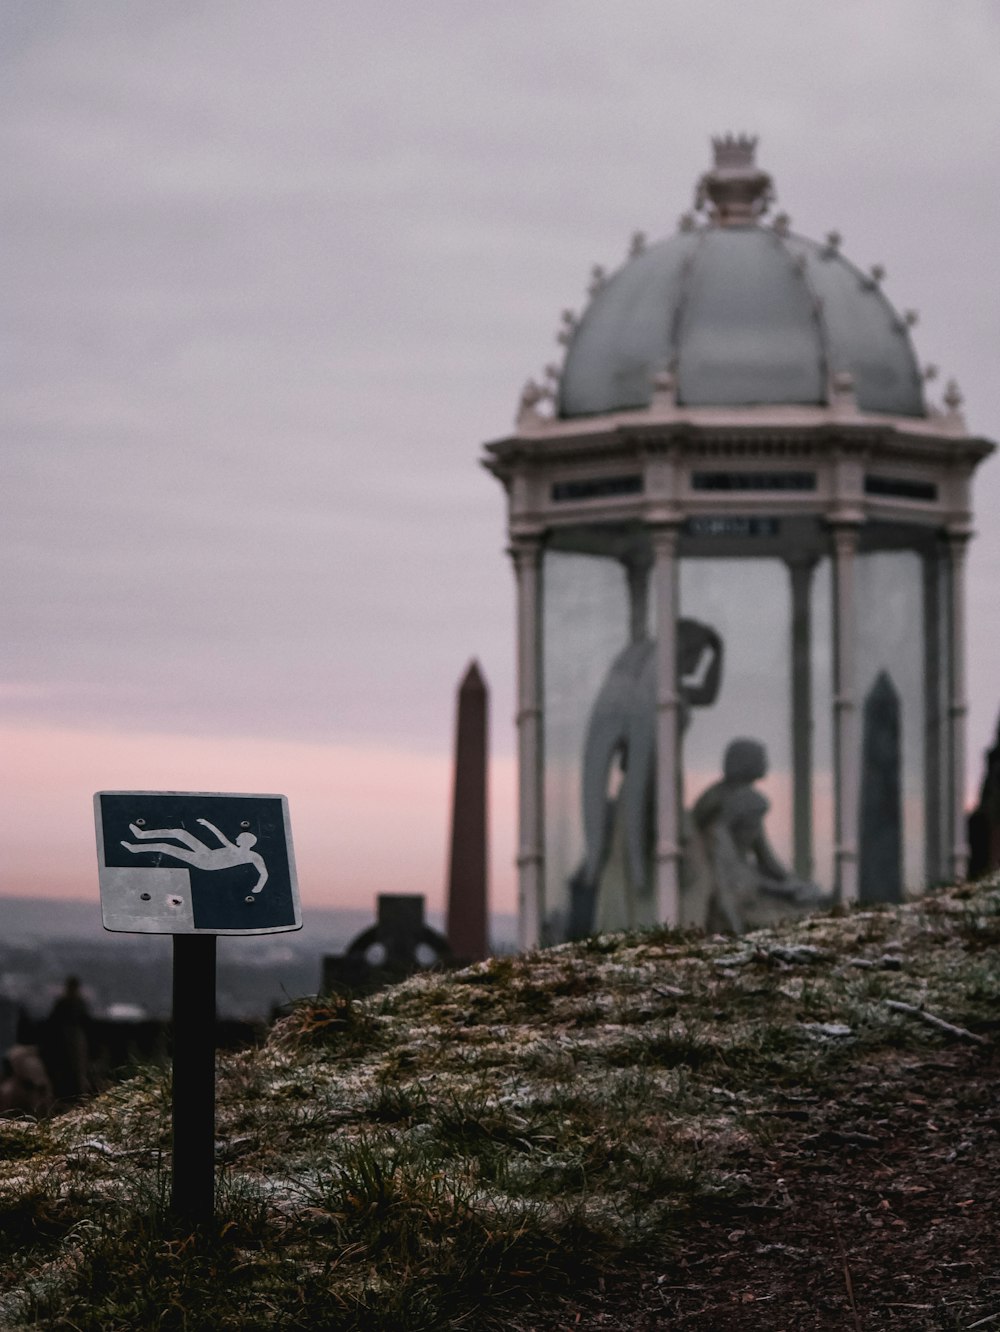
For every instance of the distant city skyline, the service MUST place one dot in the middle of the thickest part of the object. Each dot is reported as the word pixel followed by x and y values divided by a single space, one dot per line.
pixel 273 275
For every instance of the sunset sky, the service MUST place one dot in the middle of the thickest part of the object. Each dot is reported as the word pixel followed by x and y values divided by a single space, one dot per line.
pixel 273 273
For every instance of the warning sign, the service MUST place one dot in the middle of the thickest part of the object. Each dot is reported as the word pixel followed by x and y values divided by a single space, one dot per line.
pixel 176 862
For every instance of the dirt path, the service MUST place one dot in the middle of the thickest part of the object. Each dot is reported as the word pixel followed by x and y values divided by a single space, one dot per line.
pixel 881 1211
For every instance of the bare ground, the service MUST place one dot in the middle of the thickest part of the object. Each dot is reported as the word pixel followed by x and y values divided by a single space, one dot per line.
pixel 880 1209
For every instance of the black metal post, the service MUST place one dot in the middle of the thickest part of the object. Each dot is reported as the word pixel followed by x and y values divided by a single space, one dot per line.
pixel 193 1194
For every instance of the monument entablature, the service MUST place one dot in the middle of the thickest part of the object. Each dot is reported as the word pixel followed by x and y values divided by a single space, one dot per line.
pixel 738 530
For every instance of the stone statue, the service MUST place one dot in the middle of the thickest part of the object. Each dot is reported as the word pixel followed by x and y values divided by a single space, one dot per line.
pixel 621 740
pixel 730 867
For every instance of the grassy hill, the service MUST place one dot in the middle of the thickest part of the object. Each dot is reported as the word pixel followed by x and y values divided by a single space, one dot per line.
pixel 793 1130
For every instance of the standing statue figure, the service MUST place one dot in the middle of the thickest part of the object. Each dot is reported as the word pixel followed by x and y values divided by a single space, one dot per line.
pixel 621 743
pixel 731 866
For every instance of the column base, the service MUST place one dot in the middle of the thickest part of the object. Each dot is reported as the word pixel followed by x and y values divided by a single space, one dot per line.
pixel 668 890
pixel 846 862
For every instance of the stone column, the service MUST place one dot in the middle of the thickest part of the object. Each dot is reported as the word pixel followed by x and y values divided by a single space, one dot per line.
pixel 937 779
pixel 957 543
pixel 801 570
pixel 637 567
pixel 526 553
pixel 846 739
pixel 667 869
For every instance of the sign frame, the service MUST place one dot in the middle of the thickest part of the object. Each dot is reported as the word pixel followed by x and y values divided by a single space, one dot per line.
pixel 164 888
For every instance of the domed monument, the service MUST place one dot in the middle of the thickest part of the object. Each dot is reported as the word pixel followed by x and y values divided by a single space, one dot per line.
pixel 738 530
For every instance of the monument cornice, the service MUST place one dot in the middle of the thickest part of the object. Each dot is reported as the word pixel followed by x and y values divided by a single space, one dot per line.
pixel 619 439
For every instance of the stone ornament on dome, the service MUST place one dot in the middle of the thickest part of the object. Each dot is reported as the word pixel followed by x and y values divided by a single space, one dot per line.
pixel 834 240
pixel 841 395
pixel 736 192
pixel 953 416
pixel 568 328
pixel 597 279
pixel 637 245
pixel 782 225
pixel 532 397
pixel 909 319
pixel 664 389
pixel 949 411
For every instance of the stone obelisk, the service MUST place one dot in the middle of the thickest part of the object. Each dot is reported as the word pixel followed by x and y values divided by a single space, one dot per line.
pixel 467 904
pixel 880 868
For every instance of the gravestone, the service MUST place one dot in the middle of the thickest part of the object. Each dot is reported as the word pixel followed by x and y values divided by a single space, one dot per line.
pixel 880 869
pixel 398 944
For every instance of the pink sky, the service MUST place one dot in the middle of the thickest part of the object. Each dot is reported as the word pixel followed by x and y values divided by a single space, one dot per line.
pixel 364 820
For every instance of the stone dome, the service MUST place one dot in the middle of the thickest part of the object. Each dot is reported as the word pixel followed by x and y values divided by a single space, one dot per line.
pixel 740 313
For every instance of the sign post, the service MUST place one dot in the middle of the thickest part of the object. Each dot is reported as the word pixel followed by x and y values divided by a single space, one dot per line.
pixel 195 865
pixel 192 1193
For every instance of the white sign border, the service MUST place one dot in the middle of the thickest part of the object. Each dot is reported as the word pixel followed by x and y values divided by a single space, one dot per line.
pixel 103 868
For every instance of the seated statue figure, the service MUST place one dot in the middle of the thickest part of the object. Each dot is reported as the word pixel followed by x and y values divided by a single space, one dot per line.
pixel 731 869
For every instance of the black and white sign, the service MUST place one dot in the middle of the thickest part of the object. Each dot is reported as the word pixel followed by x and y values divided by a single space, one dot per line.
pixel 177 862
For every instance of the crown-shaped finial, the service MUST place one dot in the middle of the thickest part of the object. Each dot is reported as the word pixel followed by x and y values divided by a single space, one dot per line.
pixel 734 150
pixel 735 193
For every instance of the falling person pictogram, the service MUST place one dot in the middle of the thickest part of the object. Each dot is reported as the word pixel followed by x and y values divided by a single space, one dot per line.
pixel 199 854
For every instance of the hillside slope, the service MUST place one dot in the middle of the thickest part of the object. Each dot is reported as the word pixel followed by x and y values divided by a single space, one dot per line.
pixel 639 1131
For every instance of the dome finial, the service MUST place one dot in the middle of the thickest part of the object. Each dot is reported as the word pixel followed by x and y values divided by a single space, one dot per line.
pixel 734 150
pixel 736 192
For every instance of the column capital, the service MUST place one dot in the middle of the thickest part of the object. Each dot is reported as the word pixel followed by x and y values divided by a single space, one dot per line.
pixel 845 518
pixel 956 538
pixel 846 533
pixel 664 535
pixel 638 561
pixel 525 549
